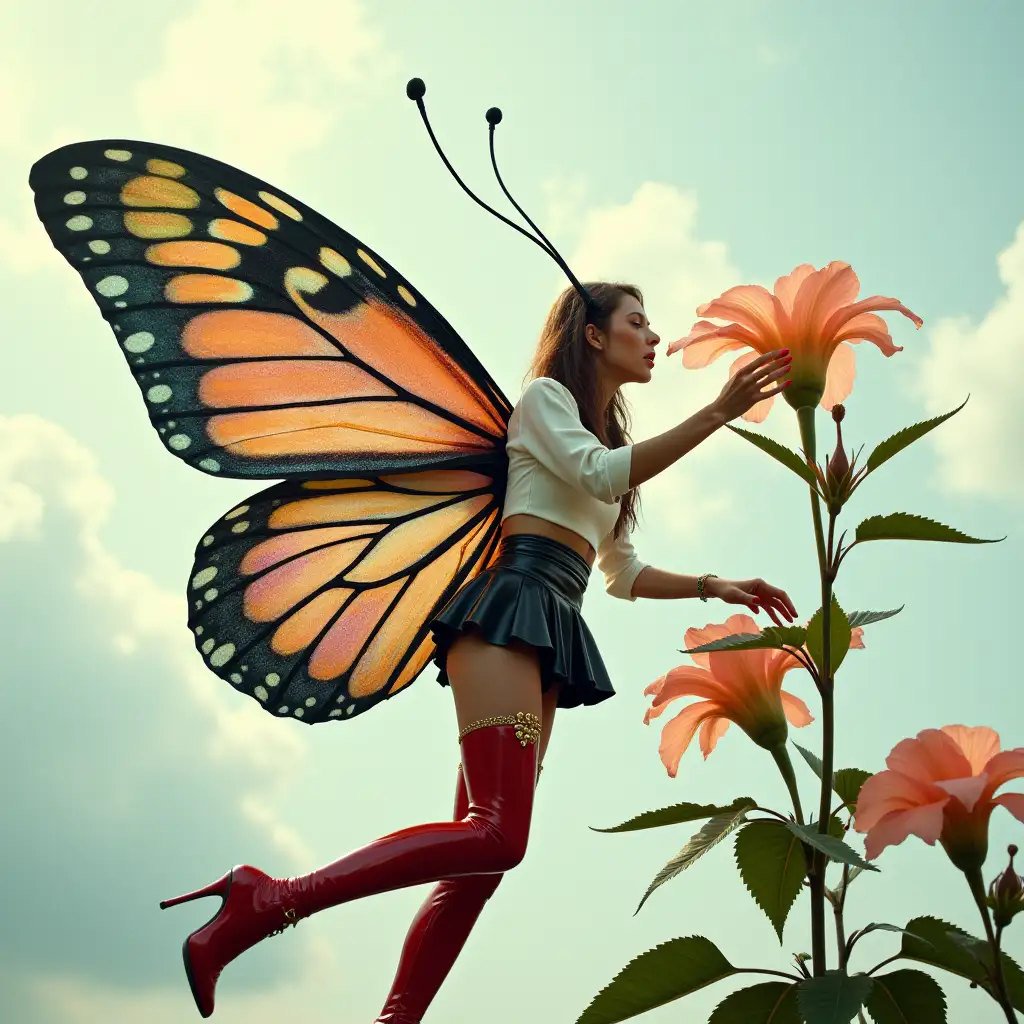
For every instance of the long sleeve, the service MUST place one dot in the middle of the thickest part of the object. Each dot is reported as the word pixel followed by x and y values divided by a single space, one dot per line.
pixel 551 431
pixel 617 560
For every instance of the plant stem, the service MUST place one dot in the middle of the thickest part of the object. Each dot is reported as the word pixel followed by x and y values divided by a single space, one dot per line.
pixel 1002 997
pixel 816 873
pixel 785 764
pixel 837 909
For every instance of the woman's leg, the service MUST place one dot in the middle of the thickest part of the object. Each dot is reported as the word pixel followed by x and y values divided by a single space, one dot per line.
pixel 498 704
pixel 443 923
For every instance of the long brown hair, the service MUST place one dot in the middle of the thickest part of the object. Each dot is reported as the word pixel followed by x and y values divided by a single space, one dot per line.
pixel 564 354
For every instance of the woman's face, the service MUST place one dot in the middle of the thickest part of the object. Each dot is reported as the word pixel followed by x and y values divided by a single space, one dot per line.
pixel 625 350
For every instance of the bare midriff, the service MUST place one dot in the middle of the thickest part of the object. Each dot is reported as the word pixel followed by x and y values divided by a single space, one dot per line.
pixel 523 523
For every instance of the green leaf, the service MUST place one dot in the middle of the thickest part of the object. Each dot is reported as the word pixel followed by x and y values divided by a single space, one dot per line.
pixel 908 435
pixel 928 941
pixel 709 836
pixel 906 997
pixel 773 1002
pixel 834 849
pixel 789 458
pixel 677 814
pixel 904 526
pixel 833 998
pixel 776 637
pixel 812 759
pixel 667 972
pixel 847 783
pixel 839 633
pixel 772 866
pixel 854 872
pixel 866 618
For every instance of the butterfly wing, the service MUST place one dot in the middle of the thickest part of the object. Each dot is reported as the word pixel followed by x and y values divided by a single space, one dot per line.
pixel 266 341
pixel 315 597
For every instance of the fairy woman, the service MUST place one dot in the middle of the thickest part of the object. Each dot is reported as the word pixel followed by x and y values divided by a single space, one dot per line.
pixel 420 518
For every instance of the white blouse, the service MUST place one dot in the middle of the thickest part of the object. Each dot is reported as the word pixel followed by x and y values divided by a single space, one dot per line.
pixel 559 471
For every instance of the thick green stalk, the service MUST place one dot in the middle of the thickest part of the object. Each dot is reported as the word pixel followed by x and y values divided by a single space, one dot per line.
pixel 782 759
pixel 1002 996
pixel 816 875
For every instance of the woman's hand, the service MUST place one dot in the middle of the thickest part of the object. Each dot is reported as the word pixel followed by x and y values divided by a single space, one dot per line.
pixel 745 389
pixel 755 594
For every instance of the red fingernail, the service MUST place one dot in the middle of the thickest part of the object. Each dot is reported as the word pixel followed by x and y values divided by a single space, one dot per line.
pixel 786 383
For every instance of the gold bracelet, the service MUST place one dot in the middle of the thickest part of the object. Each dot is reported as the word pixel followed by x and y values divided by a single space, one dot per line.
pixel 701 580
pixel 527 726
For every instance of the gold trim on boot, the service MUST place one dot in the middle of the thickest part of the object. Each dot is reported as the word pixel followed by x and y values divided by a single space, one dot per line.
pixel 527 726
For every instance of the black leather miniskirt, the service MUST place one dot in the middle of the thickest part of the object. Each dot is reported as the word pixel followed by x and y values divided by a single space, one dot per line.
pixel 533 594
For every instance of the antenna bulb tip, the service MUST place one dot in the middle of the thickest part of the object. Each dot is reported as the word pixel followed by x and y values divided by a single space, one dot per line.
pixel 415 89
pixel 494 116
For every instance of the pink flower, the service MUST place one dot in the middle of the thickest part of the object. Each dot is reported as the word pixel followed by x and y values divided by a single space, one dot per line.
pixel 744 687
pixel 813 313
pixel 941 786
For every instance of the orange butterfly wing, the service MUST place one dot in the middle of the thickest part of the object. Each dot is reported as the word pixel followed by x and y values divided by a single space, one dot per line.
pixel 315 597
pixel 268 342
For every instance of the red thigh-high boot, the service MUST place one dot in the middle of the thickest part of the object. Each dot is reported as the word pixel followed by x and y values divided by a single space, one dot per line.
pixel 499 756
pixel 437 934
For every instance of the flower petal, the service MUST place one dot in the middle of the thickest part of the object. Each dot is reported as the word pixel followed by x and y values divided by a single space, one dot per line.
pixel 787 287
pixel 750 306
pixel 684 681
pixel 798 714
pixel 842 368
pixel 924 822
pixel 929 757
pixel 759 410
pixel 841 317
pixel 695 637
pixel 869 327
pixel 1004 767
pixel 1013 802
pixel 889 791
pixel 968 791
pixel 978 743
pixel 820 295
pixel 706 342
pixel 711 732
pixel 678 733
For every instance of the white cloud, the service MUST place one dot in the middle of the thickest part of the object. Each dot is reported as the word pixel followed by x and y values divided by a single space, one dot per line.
pixel 652 241
pixel 128 738
pixel 979 448
pixel 237 79
pixel 258 84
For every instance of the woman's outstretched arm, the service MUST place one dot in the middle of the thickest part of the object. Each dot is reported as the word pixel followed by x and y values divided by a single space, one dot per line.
pixel 755 594
pixel 655 455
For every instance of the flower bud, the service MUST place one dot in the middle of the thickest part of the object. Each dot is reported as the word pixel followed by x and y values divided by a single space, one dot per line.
pixel 1006 893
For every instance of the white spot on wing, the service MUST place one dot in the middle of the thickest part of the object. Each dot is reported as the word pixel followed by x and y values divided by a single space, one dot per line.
pixel 209 464
pixel 78 173
pixel 113 285
pixel 75 198
pixel 204 576
pixel 140 341
pixel 236 512
pixel 80 223
pixel 117 154
pixel 179 442
pixel 100 246
pixel 159 393
pixel 222 655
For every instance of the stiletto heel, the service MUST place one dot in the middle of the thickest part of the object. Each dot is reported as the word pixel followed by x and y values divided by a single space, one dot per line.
pixel 218 888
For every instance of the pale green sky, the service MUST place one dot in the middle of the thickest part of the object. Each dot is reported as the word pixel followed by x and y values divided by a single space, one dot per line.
pixel 684 146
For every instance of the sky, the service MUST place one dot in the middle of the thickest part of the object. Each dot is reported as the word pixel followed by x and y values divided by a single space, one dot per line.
pixel 682 146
